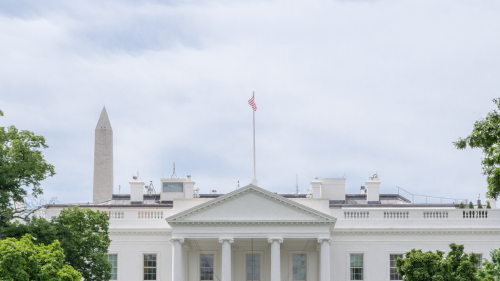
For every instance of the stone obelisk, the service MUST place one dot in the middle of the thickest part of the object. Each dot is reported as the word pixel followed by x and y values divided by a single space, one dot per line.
pixel 103 159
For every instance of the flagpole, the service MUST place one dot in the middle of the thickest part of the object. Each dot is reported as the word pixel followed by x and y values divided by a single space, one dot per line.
pixel 254 169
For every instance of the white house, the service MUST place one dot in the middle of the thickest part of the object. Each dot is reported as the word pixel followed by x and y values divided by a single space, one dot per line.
pixel 253 234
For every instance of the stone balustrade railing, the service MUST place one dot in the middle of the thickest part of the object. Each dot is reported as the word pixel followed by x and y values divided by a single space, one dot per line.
pixel 136 214
pixel 417 214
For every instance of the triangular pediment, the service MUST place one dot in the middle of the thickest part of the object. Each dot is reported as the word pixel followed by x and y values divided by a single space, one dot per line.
pixel 251 203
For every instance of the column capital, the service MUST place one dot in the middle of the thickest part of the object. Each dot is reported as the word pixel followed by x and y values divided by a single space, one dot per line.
pixel 230 240
pixel 180 240
pixel 271 240
pixel 329 240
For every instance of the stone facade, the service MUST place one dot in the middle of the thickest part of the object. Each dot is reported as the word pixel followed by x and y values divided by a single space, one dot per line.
pixel 103 159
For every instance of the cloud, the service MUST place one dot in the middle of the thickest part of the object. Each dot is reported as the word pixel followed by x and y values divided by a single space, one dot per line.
pixel 342 88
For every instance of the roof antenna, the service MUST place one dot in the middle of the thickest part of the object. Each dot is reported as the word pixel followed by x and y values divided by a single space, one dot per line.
pixel 297 183
pixel 238 187
pixel 174 174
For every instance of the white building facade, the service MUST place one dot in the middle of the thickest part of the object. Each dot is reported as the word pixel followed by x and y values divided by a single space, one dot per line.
pixel 253 234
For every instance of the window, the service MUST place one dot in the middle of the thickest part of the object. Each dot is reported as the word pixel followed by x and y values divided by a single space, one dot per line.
pixel 113 260
pixel 206 267
pixel 173 187
pixel 253 267
pixel 480 257
pixel 150 267
pixel 356 266
pixel 392 267
pixel 299 267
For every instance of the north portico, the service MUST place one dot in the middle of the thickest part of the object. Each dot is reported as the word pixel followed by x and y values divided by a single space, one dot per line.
pixel 247 222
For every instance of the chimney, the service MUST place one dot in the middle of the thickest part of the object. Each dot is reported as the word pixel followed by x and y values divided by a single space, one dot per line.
pixel 333 188
pixel 362 190
pixel 372 189
pixel 136 191
pixel 493 203
pixel 189 188
pixel 316 188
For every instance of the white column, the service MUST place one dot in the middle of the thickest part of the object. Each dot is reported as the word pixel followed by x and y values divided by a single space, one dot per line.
pixel 177 258
pixel 226 258
pixel 275 258
pixel 324 274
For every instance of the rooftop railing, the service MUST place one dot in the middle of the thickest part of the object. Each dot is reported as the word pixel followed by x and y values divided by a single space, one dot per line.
pixel 416 198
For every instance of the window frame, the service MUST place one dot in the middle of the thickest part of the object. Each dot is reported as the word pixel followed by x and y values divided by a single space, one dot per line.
pixel 117 264
pixel 389 263
pixel 198 264
pixel 308 266
pixel 158 268
pixel 261 263
pixel 479 266
pixel 348 264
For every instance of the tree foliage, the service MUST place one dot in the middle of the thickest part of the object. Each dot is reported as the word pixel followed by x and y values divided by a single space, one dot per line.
pixel 428 266
pixel 21 165
pixel 24 260
pixel 490 270
pixel 83 235
pixel 486 135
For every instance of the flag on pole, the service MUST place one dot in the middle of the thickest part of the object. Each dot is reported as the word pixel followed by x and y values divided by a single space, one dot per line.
pixel 251 102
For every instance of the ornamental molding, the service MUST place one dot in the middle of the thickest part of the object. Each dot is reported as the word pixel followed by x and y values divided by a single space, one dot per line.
pixel 180 240
pixel 139 231
pixel 328 240
pixel 255 189
pixel 271 240
pixel 251 222
pixel 416 232
pixel 230 240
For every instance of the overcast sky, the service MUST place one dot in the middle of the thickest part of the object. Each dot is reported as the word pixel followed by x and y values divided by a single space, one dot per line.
pixel 343 88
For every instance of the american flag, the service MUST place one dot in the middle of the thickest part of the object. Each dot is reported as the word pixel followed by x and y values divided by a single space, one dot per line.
pixel 251 102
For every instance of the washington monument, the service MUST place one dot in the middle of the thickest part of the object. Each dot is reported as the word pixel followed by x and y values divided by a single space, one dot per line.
pixel 103 159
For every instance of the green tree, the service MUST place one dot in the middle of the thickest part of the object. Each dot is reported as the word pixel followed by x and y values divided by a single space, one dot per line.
pixel 429 266
pixel 85 239
pixel 21 165
pixel 486 135
pixel 479 205
pixel 488 206
pixel 471 206
pixel 461 206
pixel 490 271
pixel 83 235
pixel 24 260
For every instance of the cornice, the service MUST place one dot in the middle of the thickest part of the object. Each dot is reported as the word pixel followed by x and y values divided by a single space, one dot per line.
pixel 215 222
pixel 139 231
pixel 251 188
pixel 414 232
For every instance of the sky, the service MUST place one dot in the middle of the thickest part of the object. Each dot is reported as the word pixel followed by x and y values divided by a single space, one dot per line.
pixel 343 89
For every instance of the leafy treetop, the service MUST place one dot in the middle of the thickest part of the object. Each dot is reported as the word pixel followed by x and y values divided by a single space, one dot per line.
pixel 83 235
pixel 24 260
pixel 490 271
pixel 429 266
pixel 21 165
pixel 486 135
